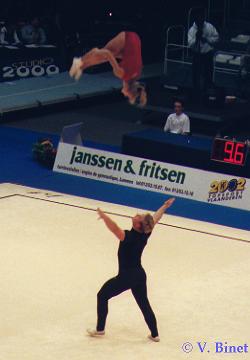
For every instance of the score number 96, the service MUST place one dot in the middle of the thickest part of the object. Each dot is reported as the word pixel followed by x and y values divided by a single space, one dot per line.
pixel 234 153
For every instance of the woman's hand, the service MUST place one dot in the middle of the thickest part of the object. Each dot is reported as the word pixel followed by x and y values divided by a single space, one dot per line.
pixel 169 202
pixel 100 213
pixel 159 213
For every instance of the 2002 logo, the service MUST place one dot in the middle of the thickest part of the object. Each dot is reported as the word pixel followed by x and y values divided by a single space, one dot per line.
pixel 225 185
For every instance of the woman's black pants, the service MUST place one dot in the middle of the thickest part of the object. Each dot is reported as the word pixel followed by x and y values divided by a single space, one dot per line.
pixel 134 279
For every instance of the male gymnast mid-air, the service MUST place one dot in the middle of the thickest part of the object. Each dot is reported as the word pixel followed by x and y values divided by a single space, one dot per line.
pixel 123 53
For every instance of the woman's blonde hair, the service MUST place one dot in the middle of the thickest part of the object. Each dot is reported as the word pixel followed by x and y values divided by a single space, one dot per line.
pixel 139 93
pixel 147 223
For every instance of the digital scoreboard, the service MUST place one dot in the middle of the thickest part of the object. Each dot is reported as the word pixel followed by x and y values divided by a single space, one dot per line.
pixel 229 151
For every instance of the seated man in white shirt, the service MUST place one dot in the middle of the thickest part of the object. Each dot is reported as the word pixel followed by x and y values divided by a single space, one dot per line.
pixel 178 122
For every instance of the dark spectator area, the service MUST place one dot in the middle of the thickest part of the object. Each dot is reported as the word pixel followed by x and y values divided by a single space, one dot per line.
pixel 75 26
pixel 38 39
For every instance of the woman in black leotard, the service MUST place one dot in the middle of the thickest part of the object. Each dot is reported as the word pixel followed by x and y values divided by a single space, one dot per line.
pixel 131 274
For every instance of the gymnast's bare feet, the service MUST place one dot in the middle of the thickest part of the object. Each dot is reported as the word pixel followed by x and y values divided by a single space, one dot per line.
pixel 155 339
pixel 95 333
pixel 76 68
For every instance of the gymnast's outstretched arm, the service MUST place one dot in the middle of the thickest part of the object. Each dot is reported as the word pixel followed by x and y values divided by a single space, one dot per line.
pixel 111 225
pixel 158 214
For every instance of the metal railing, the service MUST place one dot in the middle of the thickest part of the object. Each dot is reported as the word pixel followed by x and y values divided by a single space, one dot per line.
pixel 182 46
pixel 225 68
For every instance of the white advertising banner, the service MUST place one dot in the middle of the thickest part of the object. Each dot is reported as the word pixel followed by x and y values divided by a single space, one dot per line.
pixel 151 175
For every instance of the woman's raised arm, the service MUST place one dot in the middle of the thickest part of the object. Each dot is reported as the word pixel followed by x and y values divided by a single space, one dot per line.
pixel 111 225
pixel 158 214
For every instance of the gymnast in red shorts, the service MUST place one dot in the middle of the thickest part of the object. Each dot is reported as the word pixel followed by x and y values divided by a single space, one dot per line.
pixel 123 53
